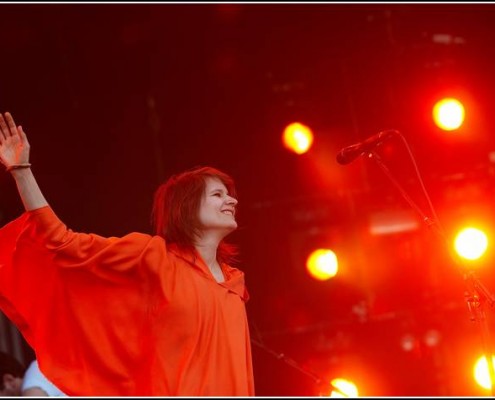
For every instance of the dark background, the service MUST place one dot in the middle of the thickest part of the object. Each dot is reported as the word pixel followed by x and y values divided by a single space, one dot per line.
pixel 117 97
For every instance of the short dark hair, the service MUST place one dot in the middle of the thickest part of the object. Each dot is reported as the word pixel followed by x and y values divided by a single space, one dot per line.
pixel 10 365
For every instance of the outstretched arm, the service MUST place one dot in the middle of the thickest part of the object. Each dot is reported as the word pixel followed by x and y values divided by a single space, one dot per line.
pixel 14 155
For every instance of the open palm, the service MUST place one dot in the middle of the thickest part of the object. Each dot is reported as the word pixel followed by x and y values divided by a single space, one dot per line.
pixel 14 146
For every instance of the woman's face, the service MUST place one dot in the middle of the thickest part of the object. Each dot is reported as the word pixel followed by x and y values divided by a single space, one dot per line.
pixel 217 208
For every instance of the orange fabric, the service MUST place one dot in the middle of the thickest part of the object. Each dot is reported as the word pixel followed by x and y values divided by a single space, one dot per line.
pixel 125 316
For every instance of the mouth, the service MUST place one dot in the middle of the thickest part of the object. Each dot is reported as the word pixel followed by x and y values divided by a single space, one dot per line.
pixel 228 212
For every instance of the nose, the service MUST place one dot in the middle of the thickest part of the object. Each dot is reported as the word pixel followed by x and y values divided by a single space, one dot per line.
pixel 232 200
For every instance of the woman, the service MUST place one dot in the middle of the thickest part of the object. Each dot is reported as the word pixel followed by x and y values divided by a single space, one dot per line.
pixel 141 315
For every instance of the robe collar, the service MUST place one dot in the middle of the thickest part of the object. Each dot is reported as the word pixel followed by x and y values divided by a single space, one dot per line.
pixel 234 278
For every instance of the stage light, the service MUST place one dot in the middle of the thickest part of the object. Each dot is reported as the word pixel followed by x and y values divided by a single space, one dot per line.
pixel 408 342
pixel 298 138
pixel 448 114
pixel 481 372
pixel 432 338
pixel 322 264
pixel 343 388
pixel 471 243
pixel 386 222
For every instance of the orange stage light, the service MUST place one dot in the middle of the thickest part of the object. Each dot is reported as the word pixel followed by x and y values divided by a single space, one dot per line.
pixel 448 114
pixel 322 264
pixel 298 138
pixel 344 388
pixel 481 372
pixel 471 243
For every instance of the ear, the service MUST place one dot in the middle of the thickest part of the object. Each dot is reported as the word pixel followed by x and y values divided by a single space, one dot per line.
pixel 8 379
pixel 11 384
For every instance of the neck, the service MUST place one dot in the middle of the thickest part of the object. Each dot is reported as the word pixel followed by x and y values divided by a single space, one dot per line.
pixel 208 252
pixel 207 248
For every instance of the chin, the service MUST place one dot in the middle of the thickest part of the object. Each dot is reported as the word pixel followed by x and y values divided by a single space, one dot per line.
pixel 232 227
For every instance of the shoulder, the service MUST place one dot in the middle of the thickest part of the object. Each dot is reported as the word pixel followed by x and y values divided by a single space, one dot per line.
pixel 34 381
pixel 32 375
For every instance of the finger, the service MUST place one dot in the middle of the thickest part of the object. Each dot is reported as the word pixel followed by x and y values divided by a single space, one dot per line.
pixel 3 128
pixel 22 135
pixel 11 124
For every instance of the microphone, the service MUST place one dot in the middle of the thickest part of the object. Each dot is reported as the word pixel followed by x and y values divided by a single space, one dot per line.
pixel 350 153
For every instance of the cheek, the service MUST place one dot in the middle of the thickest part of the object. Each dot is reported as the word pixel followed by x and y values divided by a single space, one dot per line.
pixel 203 215
pixel 206 213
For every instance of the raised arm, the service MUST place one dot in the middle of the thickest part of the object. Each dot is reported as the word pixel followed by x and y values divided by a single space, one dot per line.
pixel 14 155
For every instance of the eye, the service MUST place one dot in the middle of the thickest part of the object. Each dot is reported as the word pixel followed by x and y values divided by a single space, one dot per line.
pixel 217 194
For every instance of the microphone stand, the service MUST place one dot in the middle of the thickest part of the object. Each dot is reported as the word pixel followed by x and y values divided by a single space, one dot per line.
pixel 320 383
pixel 476 294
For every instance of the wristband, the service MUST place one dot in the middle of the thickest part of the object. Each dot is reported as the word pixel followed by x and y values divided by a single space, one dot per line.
pixel 18 166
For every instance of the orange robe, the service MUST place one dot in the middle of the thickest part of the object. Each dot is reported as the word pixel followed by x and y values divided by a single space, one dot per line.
pixel 127 316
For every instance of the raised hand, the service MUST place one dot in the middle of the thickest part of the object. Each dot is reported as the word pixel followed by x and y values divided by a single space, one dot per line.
pixel 14 146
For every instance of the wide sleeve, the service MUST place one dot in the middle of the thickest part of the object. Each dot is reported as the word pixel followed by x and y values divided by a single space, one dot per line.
pixel 78 299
